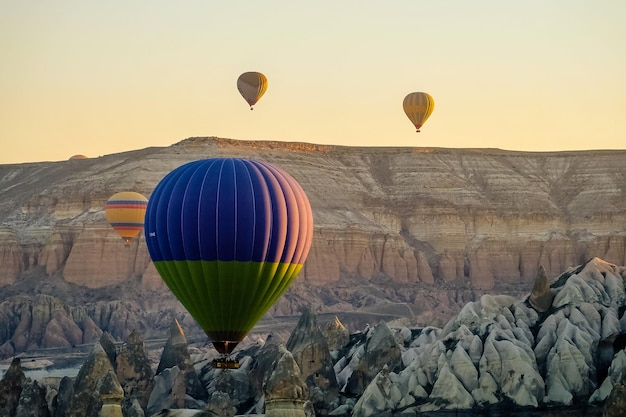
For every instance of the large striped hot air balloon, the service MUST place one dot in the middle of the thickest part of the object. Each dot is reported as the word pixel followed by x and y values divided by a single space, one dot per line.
pixel 125 211
pixel 228 236
pixel 418 107
pixel 252 86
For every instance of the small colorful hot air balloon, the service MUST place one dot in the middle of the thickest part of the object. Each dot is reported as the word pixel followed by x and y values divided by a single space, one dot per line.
pixel 252 86
pixel 125 211
pixel 228 236
pixel 79 156
pixel 418 107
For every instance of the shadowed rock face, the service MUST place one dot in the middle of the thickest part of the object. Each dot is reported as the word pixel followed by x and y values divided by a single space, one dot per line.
pixel 380 350
pixel 176 354
pixel 336 334
pixel 541 296
pixel 95 385
pixel 615 405
pixel 133 370
pixel 11 387
pixel 310 350
pixel 425 229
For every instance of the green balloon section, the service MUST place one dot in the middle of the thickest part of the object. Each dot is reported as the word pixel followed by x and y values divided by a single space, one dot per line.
pixel 228 236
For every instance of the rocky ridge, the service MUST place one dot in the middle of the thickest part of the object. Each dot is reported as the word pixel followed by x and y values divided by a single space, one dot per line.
pixel 411 233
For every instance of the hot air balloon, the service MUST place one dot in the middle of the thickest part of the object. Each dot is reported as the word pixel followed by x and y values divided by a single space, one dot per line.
pixel 78 157
pixel 418 106
pixel 252 86
pixel 125 211
pixel 228 236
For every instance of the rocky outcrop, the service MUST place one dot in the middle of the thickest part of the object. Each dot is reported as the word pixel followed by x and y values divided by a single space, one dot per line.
pixel 96 389
pixel 11 255
pixel 541 296
pixel 99 257
pixel 112 396
pixel 336 334
pixel 57 248
pixel 169 391
pixel 425 229
pixel 134 371
pixel 376 350
pixel 11 386
pixel 265 363
pixel 43 321
pixel 32 401
pixel 497 355
pixel 285 390
pixel 499 350
pixel 409 215
pixel 310 350
pixel 616 403
pixel 176 384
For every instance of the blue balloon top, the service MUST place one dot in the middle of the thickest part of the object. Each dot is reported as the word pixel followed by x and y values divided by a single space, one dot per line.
pixel 228 209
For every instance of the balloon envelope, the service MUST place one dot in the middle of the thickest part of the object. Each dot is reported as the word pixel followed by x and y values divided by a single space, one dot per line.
pixel 228 236
pixel 252 86
pixel 418 107
pixel 125 211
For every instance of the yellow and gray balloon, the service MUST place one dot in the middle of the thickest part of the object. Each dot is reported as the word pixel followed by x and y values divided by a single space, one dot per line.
pixel 252 86
pixel 418 106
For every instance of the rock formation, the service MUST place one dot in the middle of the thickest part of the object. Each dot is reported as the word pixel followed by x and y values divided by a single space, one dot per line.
pixel 500 351
pixel 170 392
pixel 310 350
pixel 285 391
pixel 176 384
pixel 96 389
pixel 423 229
pixel 112 396
pixel 417 236
pixel 496 355
pixel 46 321
pixel 266 359
pixel 379 349
pixel 134 372
pixel 336 334
pixel 11 386
pixel 616 403
pixel 541 296
pixel 32 401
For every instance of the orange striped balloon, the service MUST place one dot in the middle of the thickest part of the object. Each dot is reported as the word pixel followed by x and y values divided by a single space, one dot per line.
pixel 125 211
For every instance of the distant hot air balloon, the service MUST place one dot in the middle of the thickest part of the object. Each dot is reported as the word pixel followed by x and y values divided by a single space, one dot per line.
pixel 252 86
pixel 418 106
pixel 78 157
pixel 228 236
pixel 125 211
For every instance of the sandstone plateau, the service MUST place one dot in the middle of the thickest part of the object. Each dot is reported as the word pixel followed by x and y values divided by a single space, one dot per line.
pixel 402 232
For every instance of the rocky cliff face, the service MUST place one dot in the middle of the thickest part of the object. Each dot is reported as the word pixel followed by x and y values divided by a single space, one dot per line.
pixel 420 230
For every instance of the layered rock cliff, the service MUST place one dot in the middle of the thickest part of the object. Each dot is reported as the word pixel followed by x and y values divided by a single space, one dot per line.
pixel 421 230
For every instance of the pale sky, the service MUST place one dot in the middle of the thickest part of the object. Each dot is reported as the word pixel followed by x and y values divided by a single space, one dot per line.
pixel 101 77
